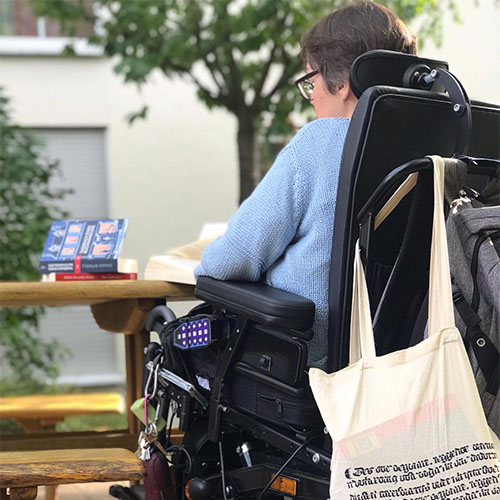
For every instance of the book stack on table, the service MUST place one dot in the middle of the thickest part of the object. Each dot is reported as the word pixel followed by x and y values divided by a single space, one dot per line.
pixel 86 250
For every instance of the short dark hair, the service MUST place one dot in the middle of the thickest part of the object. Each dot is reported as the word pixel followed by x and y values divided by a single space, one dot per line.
pixel 334 42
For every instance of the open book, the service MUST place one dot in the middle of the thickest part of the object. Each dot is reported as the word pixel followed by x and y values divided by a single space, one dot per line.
pixel 178 265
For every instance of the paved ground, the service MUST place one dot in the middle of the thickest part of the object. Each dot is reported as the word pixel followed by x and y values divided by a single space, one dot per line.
pixel 93 491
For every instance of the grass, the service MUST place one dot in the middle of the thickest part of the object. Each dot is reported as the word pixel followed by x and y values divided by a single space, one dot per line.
pixel 102 422
pixel 106 421
pixel 10 426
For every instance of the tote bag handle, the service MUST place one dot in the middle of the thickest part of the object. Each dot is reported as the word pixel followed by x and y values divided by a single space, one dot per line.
pixel 362 343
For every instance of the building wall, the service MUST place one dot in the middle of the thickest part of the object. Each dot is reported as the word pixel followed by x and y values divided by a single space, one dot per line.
pixel 169 173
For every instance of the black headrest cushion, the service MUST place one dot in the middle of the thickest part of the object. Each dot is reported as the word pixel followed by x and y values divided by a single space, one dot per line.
pixel 385 67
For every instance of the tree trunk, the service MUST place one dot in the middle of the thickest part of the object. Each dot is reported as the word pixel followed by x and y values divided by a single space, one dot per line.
pixel 249 166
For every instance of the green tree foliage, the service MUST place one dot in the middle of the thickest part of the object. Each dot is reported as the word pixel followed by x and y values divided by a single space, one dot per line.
pixel 28 205
pixel 241 55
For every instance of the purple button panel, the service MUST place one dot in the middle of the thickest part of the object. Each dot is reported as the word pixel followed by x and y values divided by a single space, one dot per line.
pixel 193 334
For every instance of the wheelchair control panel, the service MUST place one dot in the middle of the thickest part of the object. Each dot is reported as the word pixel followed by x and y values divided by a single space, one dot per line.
pixel 193 334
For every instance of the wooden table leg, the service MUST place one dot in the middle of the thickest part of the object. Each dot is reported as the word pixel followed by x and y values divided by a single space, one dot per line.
pixel 51 492
pixel 134 362
pixel 128 317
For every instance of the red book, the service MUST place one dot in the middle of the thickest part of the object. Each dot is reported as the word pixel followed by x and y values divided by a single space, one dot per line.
pixel 88 276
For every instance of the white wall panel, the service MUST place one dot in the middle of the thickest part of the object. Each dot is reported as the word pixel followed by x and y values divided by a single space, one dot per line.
pixel 95 357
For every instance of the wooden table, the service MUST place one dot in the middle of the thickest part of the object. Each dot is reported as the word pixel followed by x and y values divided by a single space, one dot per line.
pixel 117 306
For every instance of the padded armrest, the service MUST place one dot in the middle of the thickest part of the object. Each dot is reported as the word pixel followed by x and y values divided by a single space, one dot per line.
pixel 258 302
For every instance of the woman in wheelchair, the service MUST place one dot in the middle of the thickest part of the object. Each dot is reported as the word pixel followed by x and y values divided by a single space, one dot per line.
pixel 235 368
pixel 282 234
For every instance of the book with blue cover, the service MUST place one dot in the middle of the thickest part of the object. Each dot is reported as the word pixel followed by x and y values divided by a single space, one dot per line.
pixel 86 246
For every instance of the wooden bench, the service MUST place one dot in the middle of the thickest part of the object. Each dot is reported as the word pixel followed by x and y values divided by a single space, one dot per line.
pixel 43 411
pixel 21 472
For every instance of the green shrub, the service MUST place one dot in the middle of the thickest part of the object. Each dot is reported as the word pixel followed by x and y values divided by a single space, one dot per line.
pixel 28 205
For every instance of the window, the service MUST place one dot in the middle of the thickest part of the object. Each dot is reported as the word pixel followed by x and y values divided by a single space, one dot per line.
pixel 17 19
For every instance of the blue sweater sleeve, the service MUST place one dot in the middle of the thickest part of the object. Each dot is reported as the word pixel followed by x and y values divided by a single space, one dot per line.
pixel 261 229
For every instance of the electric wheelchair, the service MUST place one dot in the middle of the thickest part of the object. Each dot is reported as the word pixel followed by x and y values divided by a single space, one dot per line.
pixel 234 369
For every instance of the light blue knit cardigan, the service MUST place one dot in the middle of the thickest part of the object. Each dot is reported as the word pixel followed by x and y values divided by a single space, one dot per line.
pixel 282 234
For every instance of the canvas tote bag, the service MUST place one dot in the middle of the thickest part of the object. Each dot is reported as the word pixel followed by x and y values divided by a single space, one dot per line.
pixel 408 425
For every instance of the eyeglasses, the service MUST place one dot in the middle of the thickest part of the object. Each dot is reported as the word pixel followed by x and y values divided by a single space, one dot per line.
pixel 306 85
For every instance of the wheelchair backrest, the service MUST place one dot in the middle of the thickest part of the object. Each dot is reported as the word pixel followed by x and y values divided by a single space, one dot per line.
pixel 390 126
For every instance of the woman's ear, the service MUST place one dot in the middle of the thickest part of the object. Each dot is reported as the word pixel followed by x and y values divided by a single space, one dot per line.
pixel 345 91
pixel 349 100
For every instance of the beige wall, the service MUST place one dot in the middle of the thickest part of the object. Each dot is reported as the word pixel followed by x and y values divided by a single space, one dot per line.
pixel 472 48
pixel 169 173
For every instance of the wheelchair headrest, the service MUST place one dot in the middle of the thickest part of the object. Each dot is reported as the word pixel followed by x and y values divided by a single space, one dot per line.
pixel 385 67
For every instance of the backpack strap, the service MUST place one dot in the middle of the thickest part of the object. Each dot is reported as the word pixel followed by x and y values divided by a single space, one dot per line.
pixel 485 351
